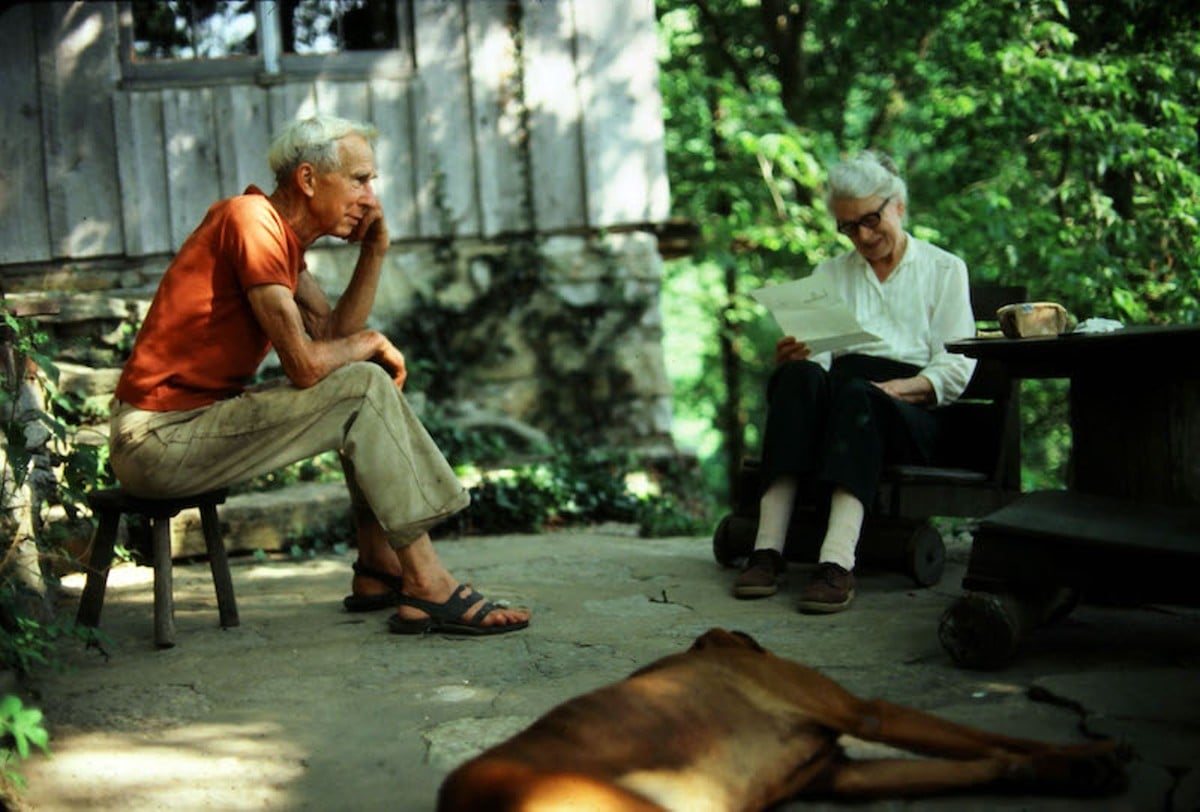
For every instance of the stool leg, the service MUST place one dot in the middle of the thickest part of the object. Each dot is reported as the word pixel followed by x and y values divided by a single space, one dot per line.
pixel 219 562
pixel 99 563
pixel 164 599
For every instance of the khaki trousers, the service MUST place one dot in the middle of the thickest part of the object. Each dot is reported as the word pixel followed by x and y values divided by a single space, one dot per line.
pixel 394 471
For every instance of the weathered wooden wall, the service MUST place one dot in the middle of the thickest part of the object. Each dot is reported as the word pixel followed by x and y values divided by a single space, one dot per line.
pixel 554 125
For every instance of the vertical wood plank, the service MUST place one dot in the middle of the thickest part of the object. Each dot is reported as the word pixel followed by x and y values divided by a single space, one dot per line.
pixel 242 138
pixel 141 161
pixel 290 101
pixel 445 147
pixel 396 186
pixel 495 98
pixel 624 156
pixel 77 50
pixel 1152 458
pixel 346 99
pixel 555 115
pixel 193 176
pixel 24 229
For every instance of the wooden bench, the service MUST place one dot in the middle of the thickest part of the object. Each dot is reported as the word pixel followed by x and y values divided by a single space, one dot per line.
pixel 1034 559
pixel 108 506
pixel 977 470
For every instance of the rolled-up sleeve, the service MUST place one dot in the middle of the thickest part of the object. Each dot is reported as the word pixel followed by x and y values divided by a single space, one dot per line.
pixel 951 319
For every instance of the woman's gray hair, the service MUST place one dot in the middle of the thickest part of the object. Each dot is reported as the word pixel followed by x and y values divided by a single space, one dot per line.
pixel 315 141
pixel 867 174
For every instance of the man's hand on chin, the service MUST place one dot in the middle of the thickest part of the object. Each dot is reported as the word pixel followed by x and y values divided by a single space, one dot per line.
pixel 371 230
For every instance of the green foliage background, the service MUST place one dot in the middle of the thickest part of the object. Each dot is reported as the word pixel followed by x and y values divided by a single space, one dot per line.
pixel 1048 143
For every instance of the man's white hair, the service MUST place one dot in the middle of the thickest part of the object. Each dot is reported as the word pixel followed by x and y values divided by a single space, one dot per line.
pixel 867 174
pixel 313 140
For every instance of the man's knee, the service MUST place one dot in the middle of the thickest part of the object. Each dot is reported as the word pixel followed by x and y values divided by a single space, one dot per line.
pixel 365 378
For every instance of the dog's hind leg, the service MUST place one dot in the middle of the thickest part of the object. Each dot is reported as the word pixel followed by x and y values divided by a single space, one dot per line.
pixel 813 697
pixel 1072 774
pixel 920 732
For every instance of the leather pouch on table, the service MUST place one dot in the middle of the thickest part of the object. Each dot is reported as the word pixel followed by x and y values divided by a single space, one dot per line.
pixel 1027 319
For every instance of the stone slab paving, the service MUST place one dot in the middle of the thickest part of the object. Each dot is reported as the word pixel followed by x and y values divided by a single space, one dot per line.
pixel 306 707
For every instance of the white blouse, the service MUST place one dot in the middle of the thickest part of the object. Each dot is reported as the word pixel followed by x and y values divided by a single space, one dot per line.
pixel 924 304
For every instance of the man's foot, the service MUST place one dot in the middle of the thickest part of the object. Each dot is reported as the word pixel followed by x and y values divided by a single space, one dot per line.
pixel 465 611
pixel 761 576
pixel 433 597
pixel 373 589
pixel 830 590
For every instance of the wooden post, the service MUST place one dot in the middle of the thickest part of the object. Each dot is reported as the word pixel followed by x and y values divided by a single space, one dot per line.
pixel 218 561
pixel 164 596
pixel 99 561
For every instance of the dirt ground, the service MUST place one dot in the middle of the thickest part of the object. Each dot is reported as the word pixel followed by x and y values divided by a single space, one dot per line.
pixel 306 707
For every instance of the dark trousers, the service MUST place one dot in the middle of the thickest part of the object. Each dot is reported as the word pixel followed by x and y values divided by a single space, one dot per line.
pixel 835 428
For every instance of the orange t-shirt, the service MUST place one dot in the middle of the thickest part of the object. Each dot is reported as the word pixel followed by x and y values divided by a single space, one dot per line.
pixel 201 342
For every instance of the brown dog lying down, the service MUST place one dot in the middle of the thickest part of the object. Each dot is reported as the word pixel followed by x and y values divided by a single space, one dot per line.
pixel 727 725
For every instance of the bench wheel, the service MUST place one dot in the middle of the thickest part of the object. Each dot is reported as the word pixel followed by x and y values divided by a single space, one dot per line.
pixel 926 555
pixel 980 631
pixel 733 540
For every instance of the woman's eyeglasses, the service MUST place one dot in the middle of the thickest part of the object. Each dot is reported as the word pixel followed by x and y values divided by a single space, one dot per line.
pixel 871 221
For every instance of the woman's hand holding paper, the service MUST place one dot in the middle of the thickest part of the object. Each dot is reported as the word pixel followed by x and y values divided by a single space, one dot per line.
pixel 789 349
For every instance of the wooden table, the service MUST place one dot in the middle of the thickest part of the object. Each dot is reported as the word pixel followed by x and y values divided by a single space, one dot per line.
pixel 1127 528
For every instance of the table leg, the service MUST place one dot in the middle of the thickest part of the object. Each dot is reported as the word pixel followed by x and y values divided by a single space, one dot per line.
pixel 1139 442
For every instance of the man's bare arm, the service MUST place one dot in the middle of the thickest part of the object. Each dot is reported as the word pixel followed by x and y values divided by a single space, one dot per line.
pixel 315 310
pixel 308 357
pixel 354 305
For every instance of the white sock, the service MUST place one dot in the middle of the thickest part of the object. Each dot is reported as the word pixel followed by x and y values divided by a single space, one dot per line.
pixel 845 525
pixel 775 514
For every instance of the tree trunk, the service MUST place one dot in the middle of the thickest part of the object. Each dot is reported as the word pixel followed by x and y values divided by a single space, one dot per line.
pixel 784 22
pixel 731 417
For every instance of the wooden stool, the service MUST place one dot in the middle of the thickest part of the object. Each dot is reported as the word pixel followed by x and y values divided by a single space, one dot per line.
pixel 108 506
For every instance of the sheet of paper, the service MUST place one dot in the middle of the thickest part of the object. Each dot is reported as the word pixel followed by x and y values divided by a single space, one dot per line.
pixel 814 313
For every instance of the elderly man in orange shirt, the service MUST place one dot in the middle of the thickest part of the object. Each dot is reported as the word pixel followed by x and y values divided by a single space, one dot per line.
pixel 185 421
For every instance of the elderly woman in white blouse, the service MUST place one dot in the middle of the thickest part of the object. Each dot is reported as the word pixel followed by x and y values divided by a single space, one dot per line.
pixel 834 421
